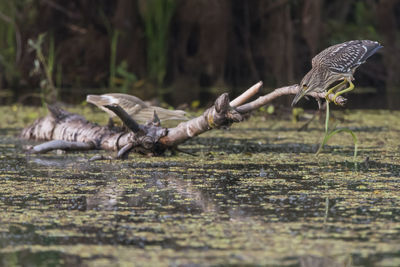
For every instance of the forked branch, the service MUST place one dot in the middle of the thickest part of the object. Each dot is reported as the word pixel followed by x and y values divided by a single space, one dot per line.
pixel 152 139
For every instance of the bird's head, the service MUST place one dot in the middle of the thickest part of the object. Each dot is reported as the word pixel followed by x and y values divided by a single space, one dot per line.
pixel 311 82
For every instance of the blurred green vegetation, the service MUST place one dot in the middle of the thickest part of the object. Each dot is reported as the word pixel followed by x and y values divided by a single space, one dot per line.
pixel 10 43
pixel 157 16
pixel 362 26
pixel 329 133
pixel 159 44
pixel 44 67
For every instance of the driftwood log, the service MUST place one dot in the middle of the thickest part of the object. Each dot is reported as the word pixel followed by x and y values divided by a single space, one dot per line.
pixel 67 131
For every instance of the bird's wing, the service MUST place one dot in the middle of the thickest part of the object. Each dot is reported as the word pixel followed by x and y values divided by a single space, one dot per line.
pixel 343 58
pixel 135 107
pixel 320 57
pixel 100 101
pixel 169 114
pixel 134 111
pixel 131 104
pixel 125 101
pixel 146 114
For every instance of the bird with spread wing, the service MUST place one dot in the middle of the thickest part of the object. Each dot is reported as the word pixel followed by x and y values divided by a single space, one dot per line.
pixel 135 107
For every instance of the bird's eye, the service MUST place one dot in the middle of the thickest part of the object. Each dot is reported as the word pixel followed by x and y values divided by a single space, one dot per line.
pixel 305 86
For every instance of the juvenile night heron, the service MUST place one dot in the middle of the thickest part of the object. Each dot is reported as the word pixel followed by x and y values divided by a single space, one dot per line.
pixel 135 107
pixel 335 63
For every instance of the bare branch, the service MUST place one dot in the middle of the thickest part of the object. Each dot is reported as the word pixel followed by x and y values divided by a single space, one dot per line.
pixel 218 115
pixel 150 138
pixel 123 152
pixel 124 116
pixel 62 145
pixel 287 90
pixel 243 98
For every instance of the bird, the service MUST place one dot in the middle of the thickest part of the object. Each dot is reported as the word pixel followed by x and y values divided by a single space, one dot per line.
pixel 335 63
pixel 135 107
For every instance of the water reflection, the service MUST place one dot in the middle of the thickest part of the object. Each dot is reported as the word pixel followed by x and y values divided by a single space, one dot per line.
pixel 242 201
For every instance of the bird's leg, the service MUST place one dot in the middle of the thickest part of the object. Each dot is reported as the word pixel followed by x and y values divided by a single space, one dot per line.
pixel 330 91
pixel 351 87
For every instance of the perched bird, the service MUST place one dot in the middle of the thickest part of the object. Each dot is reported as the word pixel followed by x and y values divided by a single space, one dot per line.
pixel 135 107
pixel 335 63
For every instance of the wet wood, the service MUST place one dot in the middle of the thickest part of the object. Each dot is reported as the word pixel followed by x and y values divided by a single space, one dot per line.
pixel 74 132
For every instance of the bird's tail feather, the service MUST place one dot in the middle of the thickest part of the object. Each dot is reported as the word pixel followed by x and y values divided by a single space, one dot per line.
pixel 372 47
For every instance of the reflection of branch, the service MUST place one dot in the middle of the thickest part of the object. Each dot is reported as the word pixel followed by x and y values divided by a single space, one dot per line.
pixel 187 190
pixel 17 35
pixel 106 198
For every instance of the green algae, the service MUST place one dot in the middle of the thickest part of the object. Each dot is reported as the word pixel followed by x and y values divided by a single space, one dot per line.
pixel 255 194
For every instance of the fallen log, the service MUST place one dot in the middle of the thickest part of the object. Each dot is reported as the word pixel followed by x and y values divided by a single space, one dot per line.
pixel 69 131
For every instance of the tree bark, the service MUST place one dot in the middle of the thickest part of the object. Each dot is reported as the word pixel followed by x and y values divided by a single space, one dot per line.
pixel 151 138
pixel 388 27
pixel 311 24
pixel 131 43
pixel 198 46
pixel 276 40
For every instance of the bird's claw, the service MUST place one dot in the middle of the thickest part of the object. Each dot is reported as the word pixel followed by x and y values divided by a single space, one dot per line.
pixel 336 103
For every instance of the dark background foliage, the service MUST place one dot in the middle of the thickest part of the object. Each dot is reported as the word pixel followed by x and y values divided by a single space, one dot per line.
pixel 185 50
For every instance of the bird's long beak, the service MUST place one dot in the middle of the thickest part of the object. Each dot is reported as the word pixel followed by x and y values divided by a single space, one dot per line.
pixel 299 95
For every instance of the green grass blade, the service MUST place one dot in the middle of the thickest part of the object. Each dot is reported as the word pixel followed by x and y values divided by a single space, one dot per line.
pixel 336 131
pixel 328 134
pixel 113 59
pixel 327 118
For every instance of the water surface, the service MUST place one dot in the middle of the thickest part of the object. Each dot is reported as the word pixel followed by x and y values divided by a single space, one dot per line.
pixel 255 194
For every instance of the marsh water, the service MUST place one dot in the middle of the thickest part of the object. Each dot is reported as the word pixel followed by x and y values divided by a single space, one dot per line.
pixel 254 194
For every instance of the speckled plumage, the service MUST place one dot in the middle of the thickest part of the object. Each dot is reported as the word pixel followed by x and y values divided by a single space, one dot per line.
pixel 345 57
pixel 337 62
